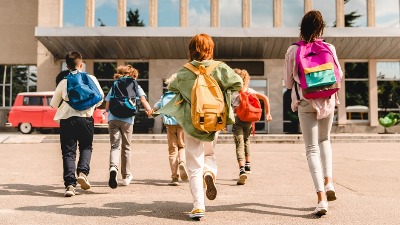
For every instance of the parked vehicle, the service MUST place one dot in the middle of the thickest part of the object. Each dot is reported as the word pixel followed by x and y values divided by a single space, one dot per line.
pixel 32 110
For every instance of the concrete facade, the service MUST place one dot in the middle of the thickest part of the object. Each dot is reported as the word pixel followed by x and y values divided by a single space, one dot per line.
pixel 21 47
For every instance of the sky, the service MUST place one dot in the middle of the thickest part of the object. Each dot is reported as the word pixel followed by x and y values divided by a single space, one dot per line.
pixel 387 12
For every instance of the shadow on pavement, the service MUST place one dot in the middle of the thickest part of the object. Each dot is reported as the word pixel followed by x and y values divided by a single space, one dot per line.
pixel 160 209
pixel 38 190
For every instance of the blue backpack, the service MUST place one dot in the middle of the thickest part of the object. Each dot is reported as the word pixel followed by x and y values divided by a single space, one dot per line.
pixel 124 98
pixel 82 91
pixel 168 96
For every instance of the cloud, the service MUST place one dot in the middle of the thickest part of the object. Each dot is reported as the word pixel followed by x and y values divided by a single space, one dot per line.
pixel 293 11
pixel 230 13
pixel 106 3
pixel 199 13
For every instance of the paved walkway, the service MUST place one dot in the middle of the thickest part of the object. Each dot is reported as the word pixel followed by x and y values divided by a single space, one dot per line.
pixel 280 190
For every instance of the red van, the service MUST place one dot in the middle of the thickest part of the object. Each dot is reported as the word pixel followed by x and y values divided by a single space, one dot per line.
pixel 32 110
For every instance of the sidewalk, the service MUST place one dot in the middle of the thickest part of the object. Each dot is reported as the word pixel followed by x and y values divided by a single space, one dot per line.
pixel 279 191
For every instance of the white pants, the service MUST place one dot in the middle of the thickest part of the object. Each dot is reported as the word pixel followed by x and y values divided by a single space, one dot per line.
pixel 316 134
pixel 199 159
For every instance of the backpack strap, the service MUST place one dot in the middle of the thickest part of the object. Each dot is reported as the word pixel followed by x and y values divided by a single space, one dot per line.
pixel 196 70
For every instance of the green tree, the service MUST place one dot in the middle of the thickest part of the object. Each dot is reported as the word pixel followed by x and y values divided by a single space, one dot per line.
pixel 133 19
pixel 349 18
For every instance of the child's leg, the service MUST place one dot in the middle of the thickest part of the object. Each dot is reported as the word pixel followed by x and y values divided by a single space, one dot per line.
pixel 239 142
pixel 115 137
pixel 68 149
pixel 195 165
pixel 173 150
pixel 126 135
pixel 181 143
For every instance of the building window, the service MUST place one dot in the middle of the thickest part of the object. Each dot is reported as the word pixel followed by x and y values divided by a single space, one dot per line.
pixel 15 79
pixel 262 13
pixel 199 13
pixel 328 11
pixel 355 13
pixel 138 12
pixel 293 12
pixel 168 13
pixel 357 90
pixel 143 78
pixel 74 13
pixel 387 13
pixel 388 78
pixel 104 72
pixel 106 13
pixel 230 12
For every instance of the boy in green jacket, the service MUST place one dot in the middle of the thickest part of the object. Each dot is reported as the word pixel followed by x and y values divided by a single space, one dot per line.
pixel 200 145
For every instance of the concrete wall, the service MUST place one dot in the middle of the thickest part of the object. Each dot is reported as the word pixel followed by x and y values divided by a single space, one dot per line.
pixel 18 19
pixel 50 12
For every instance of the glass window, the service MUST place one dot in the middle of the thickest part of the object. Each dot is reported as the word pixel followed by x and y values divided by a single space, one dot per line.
pixel 388 77
pixel 355 13
pixel 262 13
pixel 387 13
pixel 230 13
pixel 327 9
pixel 168 13
pixel 137 12
pixel 104 72
pixel 357 90
pixel 143 78
pixel 18 78
pixel 199 13
pixel 293 12
pixel 33 100
pixel 106 13
pixel 74 13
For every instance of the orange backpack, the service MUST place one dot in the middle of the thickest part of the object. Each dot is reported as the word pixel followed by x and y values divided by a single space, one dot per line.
pixel 208 110
pixel 249 108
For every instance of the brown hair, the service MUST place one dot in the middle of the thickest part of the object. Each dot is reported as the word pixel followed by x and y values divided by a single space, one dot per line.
pixel 126 71
pixel 244 75
pixel 73 60
pixel 201 47
pixel 312 26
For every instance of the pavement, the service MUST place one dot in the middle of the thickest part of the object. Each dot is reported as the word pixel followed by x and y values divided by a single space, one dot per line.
pixel 279 191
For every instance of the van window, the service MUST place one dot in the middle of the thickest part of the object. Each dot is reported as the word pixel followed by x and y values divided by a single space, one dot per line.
pixel 48 100
pixel 33 100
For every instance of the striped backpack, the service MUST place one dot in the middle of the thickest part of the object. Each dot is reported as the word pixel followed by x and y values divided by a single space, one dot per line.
pixel 318 70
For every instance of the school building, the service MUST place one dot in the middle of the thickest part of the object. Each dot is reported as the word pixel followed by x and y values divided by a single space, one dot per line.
pixel 153 36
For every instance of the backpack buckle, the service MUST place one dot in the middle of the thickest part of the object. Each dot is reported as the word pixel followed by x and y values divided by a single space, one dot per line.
pixel 201 119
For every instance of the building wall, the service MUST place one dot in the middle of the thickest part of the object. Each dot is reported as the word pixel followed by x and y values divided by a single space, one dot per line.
pixel 18 19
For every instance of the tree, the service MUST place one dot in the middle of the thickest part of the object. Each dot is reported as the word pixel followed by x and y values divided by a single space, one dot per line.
pixel 349 18
pixel 133 19
pixel 101 22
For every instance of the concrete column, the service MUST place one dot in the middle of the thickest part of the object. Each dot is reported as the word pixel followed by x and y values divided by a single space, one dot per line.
pixel 277 13
pixel 342 117
pixel 214 13
pixel 49 15
pixel 371 13
pixel 89 66
pixel 153 13
pixel 122 13
pixel 307 6
pixel 183 13
pixel 246 13
pixel 90 10
pixel 373 94
pixel 339 13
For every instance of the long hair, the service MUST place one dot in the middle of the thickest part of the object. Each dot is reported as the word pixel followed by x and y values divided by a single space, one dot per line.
pixel 312 26
pixel 244 75
pixel 201 47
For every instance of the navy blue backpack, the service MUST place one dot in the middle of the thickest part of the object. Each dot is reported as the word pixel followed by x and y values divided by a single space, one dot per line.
pixel 82 91
pixel 124 98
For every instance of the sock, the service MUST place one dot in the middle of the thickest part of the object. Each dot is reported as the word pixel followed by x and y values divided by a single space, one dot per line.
pixel 241 170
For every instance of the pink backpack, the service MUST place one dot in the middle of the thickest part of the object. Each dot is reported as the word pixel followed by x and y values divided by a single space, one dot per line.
pixel 318 70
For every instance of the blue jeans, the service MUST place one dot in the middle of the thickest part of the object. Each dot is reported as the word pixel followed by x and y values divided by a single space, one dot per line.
pixel 76 130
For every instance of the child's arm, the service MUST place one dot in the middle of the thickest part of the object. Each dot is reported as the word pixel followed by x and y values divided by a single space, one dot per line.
pixel 146 105
pixel 264 98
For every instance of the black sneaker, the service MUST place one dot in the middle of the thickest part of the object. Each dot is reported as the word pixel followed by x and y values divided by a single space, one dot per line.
pixel 112 182
pixel 247 169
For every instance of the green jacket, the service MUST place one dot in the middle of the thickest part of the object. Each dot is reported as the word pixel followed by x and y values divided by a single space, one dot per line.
pixel 228 81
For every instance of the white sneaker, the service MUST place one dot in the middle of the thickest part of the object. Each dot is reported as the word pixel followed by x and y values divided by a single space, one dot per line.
pixel 321 209
pixel 127 180
pixel 330 192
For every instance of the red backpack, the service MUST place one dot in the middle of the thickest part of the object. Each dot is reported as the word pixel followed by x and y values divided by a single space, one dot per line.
pixel 249 108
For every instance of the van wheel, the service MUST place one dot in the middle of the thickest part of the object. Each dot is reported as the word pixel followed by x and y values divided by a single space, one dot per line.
pixel 25 128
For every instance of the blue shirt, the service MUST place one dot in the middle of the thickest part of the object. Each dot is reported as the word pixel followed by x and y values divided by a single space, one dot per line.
pixel 130 120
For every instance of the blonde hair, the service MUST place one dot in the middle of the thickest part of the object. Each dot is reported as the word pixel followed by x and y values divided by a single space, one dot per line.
pixel 244 75
pixel 128 70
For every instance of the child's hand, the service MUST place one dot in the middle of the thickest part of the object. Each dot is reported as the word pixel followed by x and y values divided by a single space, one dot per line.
pixel 268 117
pixel 149 113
